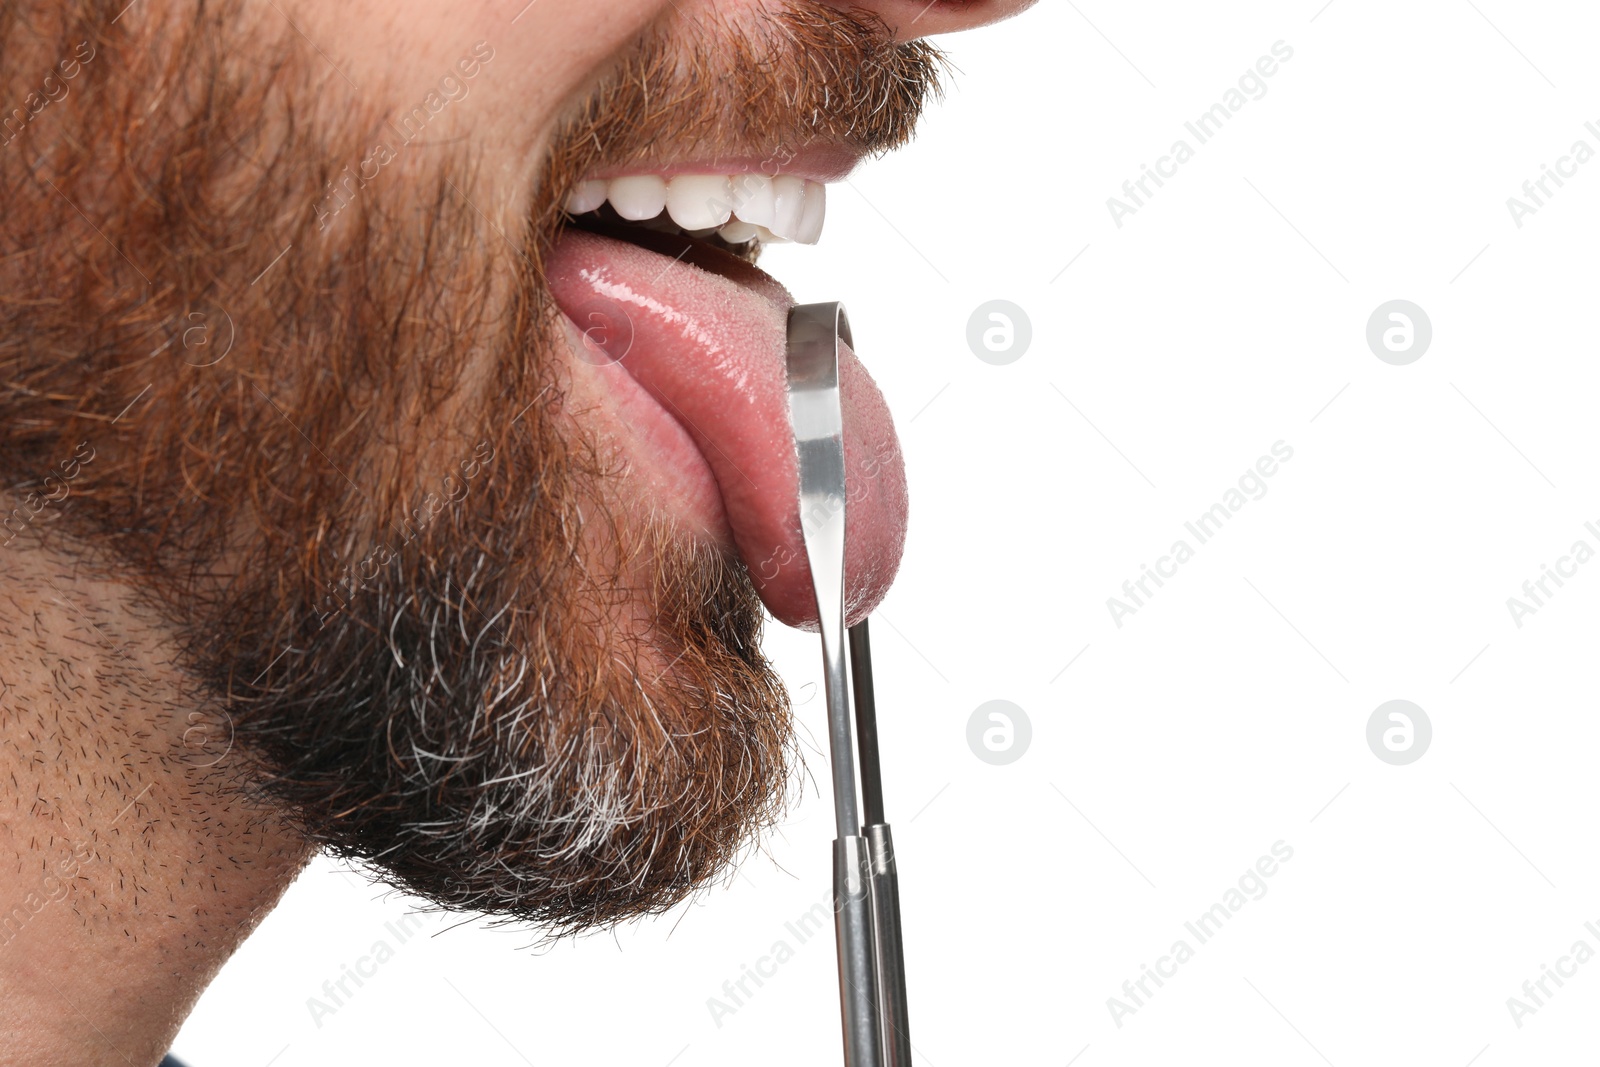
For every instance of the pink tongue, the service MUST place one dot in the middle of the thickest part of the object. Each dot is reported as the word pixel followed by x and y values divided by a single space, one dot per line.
pixel 712 352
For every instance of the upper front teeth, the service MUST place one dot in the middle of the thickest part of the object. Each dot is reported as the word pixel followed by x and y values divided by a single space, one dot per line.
pixel 738 206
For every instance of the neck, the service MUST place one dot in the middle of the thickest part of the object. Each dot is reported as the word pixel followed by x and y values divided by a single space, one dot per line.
pixel 130 870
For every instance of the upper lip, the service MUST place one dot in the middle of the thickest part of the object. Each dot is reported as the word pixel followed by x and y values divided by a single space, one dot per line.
pixel 819 161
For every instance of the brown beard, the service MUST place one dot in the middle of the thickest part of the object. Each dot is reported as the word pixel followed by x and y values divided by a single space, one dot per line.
pixel 333 447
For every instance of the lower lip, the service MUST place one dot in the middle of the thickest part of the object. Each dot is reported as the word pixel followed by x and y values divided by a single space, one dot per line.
pixel 663 462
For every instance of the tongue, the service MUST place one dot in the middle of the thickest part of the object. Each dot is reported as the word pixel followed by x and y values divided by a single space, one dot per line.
pixel 710 348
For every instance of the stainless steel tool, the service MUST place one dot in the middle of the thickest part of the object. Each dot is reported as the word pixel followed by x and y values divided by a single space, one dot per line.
pixel 894 1021
pixel 872 988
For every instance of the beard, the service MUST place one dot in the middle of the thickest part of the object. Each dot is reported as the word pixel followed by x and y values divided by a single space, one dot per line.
pixel 333 443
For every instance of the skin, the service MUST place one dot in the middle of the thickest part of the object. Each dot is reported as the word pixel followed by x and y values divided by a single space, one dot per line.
pixel 130 867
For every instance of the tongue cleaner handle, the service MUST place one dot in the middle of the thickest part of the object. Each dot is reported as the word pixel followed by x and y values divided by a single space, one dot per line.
pixel 815 331
pixel 884 879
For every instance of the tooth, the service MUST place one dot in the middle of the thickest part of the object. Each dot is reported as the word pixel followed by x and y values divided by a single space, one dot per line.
pixel 738 232
pixel 586 197
pixel 752 194
pixel 816 210
pixel 639 197
pixel 698 201
pixel 767 237
pixel 788 196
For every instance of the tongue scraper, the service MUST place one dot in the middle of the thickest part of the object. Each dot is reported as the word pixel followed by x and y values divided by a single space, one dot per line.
pixel 866 895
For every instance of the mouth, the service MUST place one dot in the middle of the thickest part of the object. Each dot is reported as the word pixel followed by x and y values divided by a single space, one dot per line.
pixel 683 341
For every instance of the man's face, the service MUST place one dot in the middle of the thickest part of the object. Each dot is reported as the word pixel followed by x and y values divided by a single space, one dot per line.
pixel 433 399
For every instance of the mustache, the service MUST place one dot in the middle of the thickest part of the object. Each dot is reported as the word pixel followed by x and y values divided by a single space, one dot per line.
pixel 762 87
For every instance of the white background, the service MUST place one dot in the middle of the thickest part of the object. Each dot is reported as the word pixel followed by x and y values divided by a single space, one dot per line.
pixel 1230 712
